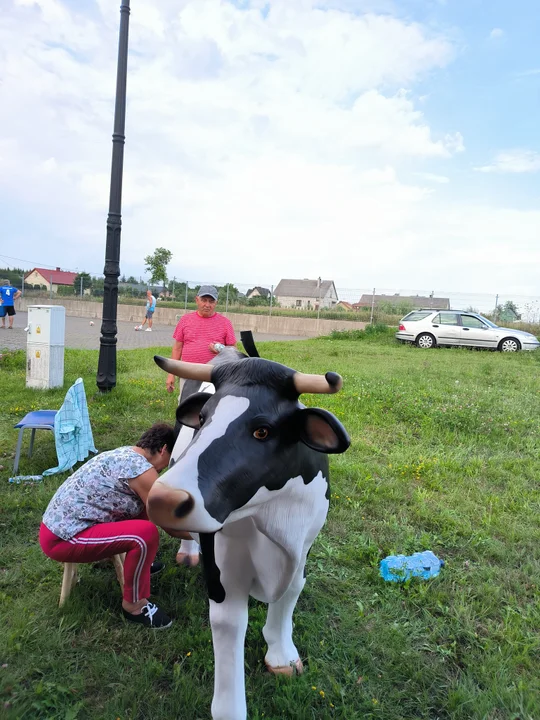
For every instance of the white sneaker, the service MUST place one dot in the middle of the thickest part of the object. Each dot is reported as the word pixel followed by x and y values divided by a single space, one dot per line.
pixel 148 330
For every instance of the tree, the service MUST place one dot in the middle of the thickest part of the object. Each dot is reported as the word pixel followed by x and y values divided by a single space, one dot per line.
pixel 233 293
pixel 65 290
pixel 156 265
pixel 86 282
pixel 507 312
pixel 97 286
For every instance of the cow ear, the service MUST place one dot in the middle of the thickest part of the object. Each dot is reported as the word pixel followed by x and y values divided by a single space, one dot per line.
pixel 189 411
pixel 322 431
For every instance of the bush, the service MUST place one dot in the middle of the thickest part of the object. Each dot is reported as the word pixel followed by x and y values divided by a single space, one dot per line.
pixel 375 332
pixel 65 290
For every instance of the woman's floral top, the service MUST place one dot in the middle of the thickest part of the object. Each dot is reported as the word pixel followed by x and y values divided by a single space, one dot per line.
pixel 98 492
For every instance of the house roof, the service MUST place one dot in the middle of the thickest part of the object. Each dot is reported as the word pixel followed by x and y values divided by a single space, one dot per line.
pixel 58 277
pixel 265 292
pixel 416 300
pixel 345 304
pixel 303 288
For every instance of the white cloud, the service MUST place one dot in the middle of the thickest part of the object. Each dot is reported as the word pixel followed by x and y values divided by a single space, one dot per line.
pixel 496 33
pixel 513 161
pixel 432 177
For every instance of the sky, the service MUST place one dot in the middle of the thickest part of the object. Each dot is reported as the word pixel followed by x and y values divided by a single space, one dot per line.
pixel 377 143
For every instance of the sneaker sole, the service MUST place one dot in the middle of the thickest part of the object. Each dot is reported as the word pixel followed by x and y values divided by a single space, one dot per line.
pixel 148 627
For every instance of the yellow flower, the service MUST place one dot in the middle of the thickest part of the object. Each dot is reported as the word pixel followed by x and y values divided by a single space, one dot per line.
pixel 313 687
pixel 189 653
pixel 321 693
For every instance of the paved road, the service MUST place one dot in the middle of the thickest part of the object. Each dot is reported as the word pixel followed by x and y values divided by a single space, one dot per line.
pixel 80 334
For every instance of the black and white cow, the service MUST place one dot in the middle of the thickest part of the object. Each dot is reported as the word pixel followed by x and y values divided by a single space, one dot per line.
pixel 253 482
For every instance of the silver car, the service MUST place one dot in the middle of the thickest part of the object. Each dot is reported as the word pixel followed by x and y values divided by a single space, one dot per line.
pixel 429 328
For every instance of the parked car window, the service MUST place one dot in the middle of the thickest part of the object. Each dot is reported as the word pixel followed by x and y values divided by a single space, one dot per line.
pixel 417 315
pixel 446 318
pixel 472 322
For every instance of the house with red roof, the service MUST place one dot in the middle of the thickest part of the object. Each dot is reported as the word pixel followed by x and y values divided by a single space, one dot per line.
pixel 46 277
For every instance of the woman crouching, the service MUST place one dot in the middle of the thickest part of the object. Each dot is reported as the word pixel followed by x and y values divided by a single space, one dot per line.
pixel 99 511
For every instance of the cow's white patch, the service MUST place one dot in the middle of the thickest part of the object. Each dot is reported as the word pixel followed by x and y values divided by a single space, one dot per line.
pixel 185 435
pixel 288 521
pixel 184 475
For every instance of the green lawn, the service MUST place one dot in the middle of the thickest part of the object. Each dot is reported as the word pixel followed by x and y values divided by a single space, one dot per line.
pixel 444 457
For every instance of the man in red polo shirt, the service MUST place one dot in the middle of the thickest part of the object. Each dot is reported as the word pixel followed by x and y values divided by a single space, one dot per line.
pixel 200 335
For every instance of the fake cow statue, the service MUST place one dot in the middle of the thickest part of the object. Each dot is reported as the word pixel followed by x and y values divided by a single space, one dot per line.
pixel 252 481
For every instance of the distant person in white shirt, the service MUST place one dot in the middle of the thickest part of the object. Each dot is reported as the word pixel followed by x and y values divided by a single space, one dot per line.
pixel 150 308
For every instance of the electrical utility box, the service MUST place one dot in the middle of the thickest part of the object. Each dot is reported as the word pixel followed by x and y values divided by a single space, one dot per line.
pixel 45 346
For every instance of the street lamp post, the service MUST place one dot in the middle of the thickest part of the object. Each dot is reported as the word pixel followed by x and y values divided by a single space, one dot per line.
pixel 106 374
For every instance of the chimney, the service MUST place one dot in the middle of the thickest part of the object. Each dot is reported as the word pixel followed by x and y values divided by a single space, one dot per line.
pixel 57 269
pixel 318 282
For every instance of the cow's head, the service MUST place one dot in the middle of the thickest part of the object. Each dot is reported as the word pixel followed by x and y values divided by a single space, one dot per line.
pixel 251 433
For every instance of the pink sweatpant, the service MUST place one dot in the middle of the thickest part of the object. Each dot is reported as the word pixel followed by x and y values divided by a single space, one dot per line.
pixel 139 539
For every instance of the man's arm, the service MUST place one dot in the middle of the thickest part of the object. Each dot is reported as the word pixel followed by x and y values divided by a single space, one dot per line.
pixel 17 294
pixel 175 355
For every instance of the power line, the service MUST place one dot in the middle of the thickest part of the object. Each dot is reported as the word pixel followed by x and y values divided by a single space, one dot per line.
pixel 28 262
pixel 43 265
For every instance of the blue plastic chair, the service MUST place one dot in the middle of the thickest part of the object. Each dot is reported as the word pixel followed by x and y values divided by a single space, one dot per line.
pixel 37 420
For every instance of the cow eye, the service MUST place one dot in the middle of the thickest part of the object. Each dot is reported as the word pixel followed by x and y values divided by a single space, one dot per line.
pixel 261 433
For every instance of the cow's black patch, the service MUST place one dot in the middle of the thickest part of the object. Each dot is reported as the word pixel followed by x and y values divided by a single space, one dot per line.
pixel 305 564
pixel 212 574
pixel 253 372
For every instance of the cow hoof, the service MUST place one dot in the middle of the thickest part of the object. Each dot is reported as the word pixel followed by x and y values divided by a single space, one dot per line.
pixel 187 560
pixel 294 668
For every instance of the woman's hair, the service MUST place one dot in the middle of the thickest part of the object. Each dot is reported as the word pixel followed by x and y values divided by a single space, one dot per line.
pixel 156 437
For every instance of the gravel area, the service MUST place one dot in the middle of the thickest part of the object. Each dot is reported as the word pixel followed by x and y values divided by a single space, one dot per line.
pixel 81 335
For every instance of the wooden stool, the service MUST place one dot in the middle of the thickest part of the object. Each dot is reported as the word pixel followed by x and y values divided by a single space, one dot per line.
pixel 70 576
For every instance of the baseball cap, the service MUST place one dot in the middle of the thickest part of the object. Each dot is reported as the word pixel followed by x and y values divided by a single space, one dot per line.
pixel 208 290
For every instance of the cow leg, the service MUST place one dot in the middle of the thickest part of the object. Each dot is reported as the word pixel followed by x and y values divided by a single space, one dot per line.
pixel 188 553
pixel 282 656
pixel 229 579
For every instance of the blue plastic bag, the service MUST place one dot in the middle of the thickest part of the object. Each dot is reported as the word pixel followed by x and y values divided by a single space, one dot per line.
pixel 399 568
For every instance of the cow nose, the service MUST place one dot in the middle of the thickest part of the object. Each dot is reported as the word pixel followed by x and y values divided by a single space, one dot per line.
pixel 165 503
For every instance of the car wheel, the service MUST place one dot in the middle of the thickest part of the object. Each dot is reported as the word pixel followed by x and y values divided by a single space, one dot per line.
pixel 425 341
pixel 509 345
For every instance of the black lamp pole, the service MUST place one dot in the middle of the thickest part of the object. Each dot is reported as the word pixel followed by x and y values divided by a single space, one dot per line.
pixel 106 374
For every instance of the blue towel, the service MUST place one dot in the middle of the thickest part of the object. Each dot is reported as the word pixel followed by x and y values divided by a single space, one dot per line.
pixel 72 431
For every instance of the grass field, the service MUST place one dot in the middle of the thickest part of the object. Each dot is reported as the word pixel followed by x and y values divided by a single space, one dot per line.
pixel 445 456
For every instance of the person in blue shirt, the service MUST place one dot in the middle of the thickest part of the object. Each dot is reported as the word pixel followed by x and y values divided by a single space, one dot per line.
pixel 8 295
pixel 150 307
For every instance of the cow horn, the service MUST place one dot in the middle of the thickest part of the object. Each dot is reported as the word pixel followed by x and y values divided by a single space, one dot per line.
pixel 186 370
pixel 329 383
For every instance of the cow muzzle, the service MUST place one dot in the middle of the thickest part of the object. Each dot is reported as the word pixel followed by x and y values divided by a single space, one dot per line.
pixel 167 505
